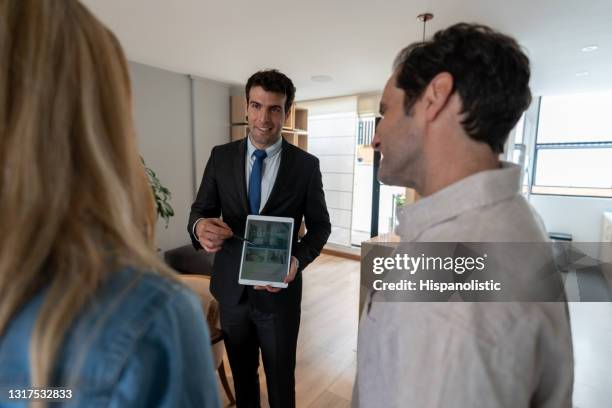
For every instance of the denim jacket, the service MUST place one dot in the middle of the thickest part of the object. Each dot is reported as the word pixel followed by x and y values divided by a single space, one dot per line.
pixel 141 342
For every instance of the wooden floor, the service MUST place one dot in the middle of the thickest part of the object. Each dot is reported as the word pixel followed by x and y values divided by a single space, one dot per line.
pixel 326 365
pixel 328 338
pixel 327 342
pixel 591 336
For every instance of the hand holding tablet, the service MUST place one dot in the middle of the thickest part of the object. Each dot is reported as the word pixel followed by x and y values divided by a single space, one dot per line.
pixel 288 279
pixel 266 260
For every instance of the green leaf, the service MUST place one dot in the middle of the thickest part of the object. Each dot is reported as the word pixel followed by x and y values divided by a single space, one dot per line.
pixel 161 194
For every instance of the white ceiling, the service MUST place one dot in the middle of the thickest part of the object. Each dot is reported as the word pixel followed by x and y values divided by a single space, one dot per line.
pixel 354 41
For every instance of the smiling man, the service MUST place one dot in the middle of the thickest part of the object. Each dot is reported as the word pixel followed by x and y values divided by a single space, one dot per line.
pixel 262 174
pixel 447 111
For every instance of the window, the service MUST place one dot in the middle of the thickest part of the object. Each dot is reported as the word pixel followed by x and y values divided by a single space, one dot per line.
pixel 518 153
pixel 573 151
pixel 518 146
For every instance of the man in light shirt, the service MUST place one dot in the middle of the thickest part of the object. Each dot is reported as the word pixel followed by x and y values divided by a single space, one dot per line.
pixel 447 111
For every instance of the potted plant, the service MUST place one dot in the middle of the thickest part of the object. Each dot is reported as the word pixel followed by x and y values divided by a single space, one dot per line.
pixel 162 195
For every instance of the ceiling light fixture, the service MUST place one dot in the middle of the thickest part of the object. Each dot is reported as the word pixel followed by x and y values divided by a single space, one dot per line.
pixel 582 74
pixel 589 48
pixel 321 78
pixel 424 18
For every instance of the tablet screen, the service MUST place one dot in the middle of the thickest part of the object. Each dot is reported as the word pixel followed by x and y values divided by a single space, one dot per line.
pixel 265 259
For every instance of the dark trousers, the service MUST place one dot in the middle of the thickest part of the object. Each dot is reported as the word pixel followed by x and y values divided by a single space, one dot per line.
pixel 246 330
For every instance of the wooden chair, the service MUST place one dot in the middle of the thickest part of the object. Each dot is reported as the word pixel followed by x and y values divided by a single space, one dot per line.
pixel 200 284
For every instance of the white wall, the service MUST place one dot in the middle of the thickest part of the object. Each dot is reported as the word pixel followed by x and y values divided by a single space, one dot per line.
pixel 211 121
pixel 332 127
pixel 174 143
pixel 362 198
pixel 580 216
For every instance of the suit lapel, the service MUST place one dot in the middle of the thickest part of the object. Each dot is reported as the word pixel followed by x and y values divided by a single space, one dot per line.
pixel 239 170
pixel 282 175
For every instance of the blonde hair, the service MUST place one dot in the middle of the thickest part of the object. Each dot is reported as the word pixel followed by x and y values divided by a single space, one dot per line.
pixel 75 203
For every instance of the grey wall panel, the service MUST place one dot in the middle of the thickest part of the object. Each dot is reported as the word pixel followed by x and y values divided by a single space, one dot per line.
pixel 338 181
pixel 339 200
pixel 162 112
pixel 332 125
pixel 211 120
pixel 321 146
pixel 337 164
pixel 163 115
pixel 340 218
pixel 580 216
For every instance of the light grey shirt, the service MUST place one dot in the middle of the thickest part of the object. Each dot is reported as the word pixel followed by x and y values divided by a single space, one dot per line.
pixel 467 355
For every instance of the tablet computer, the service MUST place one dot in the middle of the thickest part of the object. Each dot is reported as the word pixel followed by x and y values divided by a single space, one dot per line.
pixel 266 255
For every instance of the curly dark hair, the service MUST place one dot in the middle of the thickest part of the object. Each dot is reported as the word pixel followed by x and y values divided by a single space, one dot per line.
pixel 490 72
pixel 272 80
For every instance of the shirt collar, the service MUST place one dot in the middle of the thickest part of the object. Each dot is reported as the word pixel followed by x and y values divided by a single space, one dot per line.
pixel 478 190
pixel 270 150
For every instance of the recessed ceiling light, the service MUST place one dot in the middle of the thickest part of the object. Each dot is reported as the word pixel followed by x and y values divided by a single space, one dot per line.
pixel 321 78
pixel 590 48
pixel 582 74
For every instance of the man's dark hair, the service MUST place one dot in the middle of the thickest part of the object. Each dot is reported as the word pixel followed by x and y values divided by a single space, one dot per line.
pixel 490 72
pixel 271 80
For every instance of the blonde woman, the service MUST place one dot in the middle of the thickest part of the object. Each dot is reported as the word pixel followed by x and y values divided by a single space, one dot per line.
pixel 85 303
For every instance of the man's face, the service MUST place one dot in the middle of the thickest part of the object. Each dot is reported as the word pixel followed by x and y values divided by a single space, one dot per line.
pixel 399 138
pixel 266 115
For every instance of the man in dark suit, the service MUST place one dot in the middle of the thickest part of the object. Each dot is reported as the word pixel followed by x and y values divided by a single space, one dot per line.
pixel 262 174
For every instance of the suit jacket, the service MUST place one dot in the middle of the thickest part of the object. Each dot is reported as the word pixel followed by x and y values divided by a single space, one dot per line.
pixel 297 193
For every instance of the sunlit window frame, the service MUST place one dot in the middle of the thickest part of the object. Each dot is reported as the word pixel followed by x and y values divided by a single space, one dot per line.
pixel 565 190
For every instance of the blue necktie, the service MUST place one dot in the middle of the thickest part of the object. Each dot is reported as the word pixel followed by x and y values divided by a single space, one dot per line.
pixel 255 181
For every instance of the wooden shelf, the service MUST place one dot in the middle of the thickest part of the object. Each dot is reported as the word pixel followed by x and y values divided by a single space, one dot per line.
pixel 297 139
pixel 239 132
pixel 303 141
pixel 238 109
pixel 290 122
pixel 301 119
pixel 291 137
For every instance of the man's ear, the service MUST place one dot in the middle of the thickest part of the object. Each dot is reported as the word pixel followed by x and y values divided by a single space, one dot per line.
pixel 438 94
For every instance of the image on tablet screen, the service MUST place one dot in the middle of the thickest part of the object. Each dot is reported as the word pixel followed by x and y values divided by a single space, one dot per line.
pixel 267 257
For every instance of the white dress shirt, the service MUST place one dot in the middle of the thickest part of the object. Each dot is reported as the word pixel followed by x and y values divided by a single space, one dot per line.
pixel 467 355
pixel 270 168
